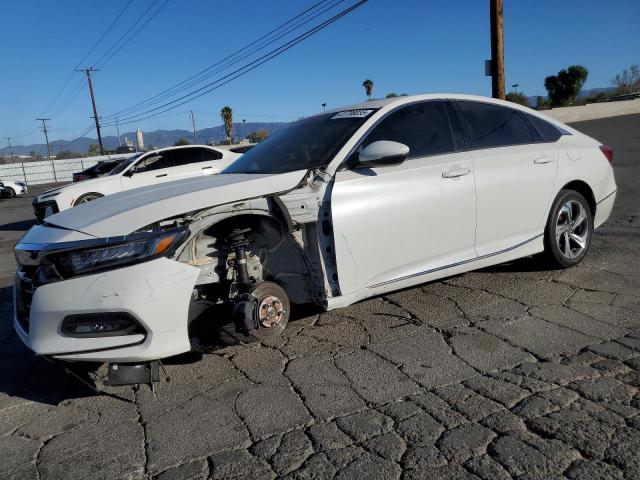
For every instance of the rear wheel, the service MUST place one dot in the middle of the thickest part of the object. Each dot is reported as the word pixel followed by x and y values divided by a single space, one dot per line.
pixel 12 192
pixel 569 228
pixel 87 197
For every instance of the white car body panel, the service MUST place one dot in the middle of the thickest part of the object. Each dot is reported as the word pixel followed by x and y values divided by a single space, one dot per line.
pixel 392 227
pixel 66 196
pixel 156 293
pixel 376 242
pixel 18 188
pixel 123 213
pixel 515 187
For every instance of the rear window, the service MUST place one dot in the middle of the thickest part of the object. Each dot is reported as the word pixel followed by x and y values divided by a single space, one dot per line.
pixel 486 125
pixel 548 132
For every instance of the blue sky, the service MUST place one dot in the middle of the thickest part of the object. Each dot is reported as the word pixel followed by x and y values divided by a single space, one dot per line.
pixel 407 46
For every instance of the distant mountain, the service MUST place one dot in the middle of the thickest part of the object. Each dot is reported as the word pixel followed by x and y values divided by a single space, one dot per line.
pixel 157 138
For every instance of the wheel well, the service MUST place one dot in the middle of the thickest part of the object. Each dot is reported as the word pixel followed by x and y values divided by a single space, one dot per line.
pixel 585 190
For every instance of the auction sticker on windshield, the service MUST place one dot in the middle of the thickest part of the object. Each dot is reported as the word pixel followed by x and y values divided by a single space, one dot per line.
pixel 352 114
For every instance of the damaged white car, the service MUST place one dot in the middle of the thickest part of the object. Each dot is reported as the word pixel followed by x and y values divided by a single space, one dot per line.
pixel 337 207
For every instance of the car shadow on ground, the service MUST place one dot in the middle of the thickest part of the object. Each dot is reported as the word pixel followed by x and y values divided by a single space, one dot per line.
pixel 21 226
pixel 34 378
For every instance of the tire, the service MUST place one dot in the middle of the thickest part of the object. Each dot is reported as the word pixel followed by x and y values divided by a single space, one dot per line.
pixel 569 228
pixel 12 192
pixel 269 297
pixel 87 197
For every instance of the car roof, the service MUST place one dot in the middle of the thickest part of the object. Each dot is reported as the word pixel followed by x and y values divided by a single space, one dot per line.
pixel 387 104
pixel 413 98
pixel 178 147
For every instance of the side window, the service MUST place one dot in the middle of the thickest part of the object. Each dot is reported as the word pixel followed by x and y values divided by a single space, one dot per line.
pixel 152 162
pixel 423 127
pixel 486 125
pixel 185 156
pixel 210 154
pixel 548 132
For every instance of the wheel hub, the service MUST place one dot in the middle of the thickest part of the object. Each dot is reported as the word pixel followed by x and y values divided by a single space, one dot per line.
pixel 270 311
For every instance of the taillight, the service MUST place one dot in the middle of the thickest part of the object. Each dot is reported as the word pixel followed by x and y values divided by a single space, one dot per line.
pixel 607 152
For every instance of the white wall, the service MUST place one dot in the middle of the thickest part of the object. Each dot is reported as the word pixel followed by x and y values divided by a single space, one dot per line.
pixel 592 111
pixel 50 171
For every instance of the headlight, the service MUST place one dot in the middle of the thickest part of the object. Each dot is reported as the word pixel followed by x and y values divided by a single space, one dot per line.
pixel 134 250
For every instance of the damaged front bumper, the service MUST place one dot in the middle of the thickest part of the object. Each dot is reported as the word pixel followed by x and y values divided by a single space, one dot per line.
pixel 153 296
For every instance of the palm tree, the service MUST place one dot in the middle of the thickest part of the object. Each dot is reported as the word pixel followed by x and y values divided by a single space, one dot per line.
pixel 227 117
pixel 368 87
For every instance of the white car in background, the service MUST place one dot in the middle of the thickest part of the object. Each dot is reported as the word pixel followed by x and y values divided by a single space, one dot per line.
pixel 145 169
pixel 335 208
pixel 14 187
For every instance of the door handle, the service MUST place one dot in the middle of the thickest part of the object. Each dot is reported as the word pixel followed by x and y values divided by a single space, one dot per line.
pixel 458 172
pixel 543 160
pixel 207 168
pixel 161 175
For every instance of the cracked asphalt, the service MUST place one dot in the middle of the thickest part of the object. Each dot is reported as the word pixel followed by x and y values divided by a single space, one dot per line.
pixel 514 371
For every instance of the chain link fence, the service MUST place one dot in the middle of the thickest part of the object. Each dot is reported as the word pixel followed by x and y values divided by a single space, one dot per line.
pixel 51 171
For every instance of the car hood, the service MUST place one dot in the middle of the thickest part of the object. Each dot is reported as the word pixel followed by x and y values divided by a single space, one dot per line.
pixel 125 212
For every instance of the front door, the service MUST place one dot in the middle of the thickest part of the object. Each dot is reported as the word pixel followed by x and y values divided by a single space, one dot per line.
pixel 395 222
pixel 149 170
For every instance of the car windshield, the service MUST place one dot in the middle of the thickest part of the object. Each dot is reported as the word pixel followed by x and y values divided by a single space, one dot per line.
pixel 123 166
pixel 305 144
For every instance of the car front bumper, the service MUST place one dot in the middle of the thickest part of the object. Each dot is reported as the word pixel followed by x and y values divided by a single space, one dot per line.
pixel 156 293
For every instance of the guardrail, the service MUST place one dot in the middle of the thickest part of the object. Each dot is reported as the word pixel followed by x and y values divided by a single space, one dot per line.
pixel 51 171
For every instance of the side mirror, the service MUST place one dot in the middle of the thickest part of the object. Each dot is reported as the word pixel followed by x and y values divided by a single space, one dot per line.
pixel 383 153
pixel 129 173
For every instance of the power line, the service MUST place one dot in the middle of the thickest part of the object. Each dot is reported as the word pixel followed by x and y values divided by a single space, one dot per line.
pixel 242 70
pixel 193 80
pixel 89 52
pixel 111 52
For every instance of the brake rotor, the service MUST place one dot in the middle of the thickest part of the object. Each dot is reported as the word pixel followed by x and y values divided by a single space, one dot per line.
pixel 270 311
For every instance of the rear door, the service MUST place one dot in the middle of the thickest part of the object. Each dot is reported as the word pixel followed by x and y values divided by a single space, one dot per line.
pixel 151 169
pixel 515 174
pixel 194 161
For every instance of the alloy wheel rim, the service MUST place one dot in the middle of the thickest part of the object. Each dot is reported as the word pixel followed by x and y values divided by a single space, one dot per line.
pixel 572 229
pixel 87 199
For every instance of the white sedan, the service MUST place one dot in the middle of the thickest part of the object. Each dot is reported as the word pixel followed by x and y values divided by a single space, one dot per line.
pixel 14 187
pixel 337 207
pixel 149 168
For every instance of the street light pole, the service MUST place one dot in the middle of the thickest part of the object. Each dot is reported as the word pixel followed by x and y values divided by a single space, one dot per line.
pixel 324 107
pixel 497 50
pixel 244 124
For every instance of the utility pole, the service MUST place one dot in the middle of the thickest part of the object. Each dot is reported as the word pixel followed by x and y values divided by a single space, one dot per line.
pixel 193 124
pixel 497 50
pixel 244 124
pixel 88 71
pixel 10 147
pixel 118 132
pixel 46 135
